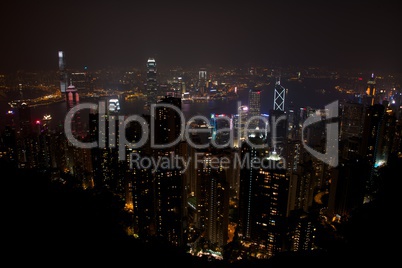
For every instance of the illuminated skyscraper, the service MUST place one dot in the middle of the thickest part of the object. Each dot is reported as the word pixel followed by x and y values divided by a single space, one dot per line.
pixel 378 131
pixel 62 72
pixel 202 81
pixel 221 128
pixel 278 115
pixel 371 92
pixel 254 107
pixel 279 96
pixel 212 197
pixel 168 182
pixel 239 124
pixel 263 199
pixel 152 83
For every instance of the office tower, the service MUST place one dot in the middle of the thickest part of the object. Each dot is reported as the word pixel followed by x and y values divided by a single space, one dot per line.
pixel 263 200
pixel 248 176
pixel 109 171
pixel 62 73
pixel 278 130
pixel 293 160
pixel 351 124
pixel 302 231
pixel 254 107
pixel 371 134
pixel 151 83
pixel 221 129
pixel 78 160
pixel 175 87
pixel 43 137
pixel 279 96
pixel 387 138
pixel 377 138
pixel 169 184
pixel 302 185
pixel 370 95
pixel 72 99
pixel 212 198
pixel 24 116
pixel 279 125
pixel 202 81
pixel 239 124
pixel 139 199
pixel 291 127
pixel 270 219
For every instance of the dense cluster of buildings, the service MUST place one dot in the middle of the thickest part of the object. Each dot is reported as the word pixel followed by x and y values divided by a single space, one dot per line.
pixel 260 195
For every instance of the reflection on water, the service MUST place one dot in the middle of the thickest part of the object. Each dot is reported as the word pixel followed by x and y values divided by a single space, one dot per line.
pixel 299 94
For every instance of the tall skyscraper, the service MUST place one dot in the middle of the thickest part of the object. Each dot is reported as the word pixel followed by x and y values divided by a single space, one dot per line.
pixel 62 72
pixel 371 92
pixel 212 197
pixel 279 96
pixel 107 169
pixel 301 231
pixel 221 128
pixel 263 200
pixel 151 83
pixel 168 182
pixel 139 199
pixel 239 124
pixel 202 81
pixel 254 107
pixel 378 132
pixel 352 115
pixel 25 120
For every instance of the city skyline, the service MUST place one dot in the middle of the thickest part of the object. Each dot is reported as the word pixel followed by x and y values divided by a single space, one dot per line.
pixel 215 134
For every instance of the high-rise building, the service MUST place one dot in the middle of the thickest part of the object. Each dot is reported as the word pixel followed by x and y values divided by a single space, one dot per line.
pixel 378 132
pixel 8 140
pixel 263 200
pixel 369 97
pixel 270 219
pixel 107 169
pixel 212 197
pixel 169 184
pixel 292 126
pixel 301 231
pixel 279 96
pixel 202 81
pixel 25 120
pixel 62 73
pixel 254 107
pixel 239 124
pixel 139 198
pixel 221 129
pixel 152 82
pixel 352 115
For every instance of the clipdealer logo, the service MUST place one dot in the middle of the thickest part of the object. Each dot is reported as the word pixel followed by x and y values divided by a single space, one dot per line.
pixel 330 156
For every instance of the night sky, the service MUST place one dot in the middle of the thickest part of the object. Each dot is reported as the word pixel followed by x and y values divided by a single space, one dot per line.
pixel 125 33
